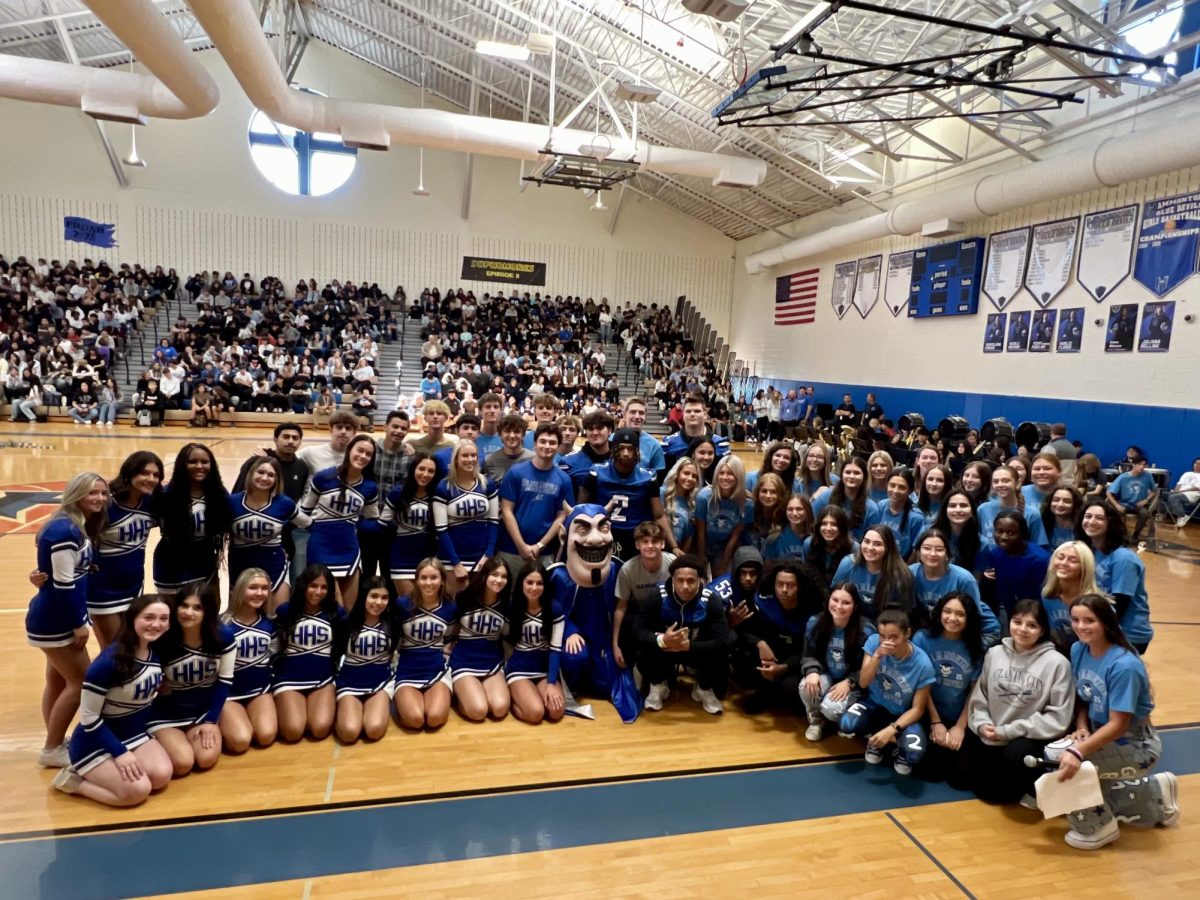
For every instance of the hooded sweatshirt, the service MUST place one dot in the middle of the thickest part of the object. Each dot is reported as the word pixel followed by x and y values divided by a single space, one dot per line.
pixel 1023 695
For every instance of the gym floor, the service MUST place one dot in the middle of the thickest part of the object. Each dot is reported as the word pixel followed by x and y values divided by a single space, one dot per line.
pixel 679 804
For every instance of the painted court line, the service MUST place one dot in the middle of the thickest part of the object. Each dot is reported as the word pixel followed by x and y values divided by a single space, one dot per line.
pixel 290 847
pixel 933 859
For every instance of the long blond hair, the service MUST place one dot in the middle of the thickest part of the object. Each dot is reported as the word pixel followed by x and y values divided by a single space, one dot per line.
pixel 73 494
pixel 237 594
pixel 1087 571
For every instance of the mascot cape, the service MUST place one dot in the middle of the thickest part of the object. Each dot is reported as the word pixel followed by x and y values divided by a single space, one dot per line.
pixel 585 585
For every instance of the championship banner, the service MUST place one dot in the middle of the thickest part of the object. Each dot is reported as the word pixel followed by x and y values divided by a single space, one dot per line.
pixel 1018 332
pixel 1122 327
pixel 1168 244
pixel 514 271
pixel 1051 258
pixel 866 284
pixel 898 285
pixel 1041 337
pixel 1106 251
pixel 843 286
pixel 1070 331
pixel 1158 321
pixel 993 335
pixel 1007 258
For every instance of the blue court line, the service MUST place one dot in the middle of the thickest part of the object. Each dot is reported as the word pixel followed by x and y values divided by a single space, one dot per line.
pixel 255 851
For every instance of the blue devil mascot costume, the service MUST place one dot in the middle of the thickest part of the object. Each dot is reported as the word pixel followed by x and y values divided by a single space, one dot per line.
pixel 585 585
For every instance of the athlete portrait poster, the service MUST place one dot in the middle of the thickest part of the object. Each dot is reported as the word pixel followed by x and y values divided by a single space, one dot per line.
pixel 1158 321
pixel 1041 337
pixel 1070 331
pixel 1122 326
pixel 1018 332
pixel 993 335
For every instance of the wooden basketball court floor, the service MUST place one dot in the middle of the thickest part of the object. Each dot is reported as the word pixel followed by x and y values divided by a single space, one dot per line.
pixel 680 804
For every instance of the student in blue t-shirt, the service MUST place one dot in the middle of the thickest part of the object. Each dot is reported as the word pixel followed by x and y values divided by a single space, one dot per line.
pixel 535 497
pixel 1113 731
pixel 597 430
pixel 954 642
pixel 1133 492
pixel 850 493
pixel 431 386
pixel 1007 497
pixel 1072 574
pixel 628 492
pixel 934 576
pixel 722 511
pixel 897 511
pixel 1013 568
pixel 897 676
pixel 1120 572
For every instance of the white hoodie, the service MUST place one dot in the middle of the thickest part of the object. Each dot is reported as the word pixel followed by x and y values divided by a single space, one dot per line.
pixel 1030 695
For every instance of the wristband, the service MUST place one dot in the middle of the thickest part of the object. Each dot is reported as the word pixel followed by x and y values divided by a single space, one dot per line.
pixel 661 642
pixel 1075 753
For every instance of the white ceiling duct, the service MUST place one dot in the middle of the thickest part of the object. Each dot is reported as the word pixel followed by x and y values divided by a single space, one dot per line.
pixel 185 91
pixel 1110 162
pixel 233 28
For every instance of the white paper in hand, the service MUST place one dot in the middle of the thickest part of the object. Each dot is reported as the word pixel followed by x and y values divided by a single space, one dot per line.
pixel 1057 798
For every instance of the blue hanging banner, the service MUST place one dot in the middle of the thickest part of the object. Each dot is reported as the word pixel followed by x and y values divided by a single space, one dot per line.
pixel 1168 245
pixel 85 231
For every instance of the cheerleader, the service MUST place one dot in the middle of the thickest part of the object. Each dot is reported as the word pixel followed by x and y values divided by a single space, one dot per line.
pixel 932 490
pixel 826 547
pixel 309 626
pixel 1008 497
pixel 249 715
pixel 1113 731
pixel 195 522
pixel 532 670
pixel 421 688
pixel 112 758
pixel 198 655
pixel 678 493
pixel 898 513
pixel 879 472
pixel 477 661
pixel 1120 572
pixel 833 649
pixel 934 577
pixel 261 511
pixel 121 549
pixel 954 643
pixel 1060 515
pixel 337 498
pixel 851 495
pixel 722 510
pixel 466 514
pixel 797 528
pixel 407 508
pixel 879 572
pixel 365 675
pixel 958 522
pixel 1072 574
pixel 57 620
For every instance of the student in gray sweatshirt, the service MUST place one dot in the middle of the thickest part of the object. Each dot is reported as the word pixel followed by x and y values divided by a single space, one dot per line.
pixel 1024 699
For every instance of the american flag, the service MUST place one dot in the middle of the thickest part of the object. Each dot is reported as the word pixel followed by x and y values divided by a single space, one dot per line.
pixel 796 298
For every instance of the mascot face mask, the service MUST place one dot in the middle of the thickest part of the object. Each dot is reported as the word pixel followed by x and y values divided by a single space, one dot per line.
pixel 589 544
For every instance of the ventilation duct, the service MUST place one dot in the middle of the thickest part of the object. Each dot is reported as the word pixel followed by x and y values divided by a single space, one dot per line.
pixel 234 30
pixel 1108 163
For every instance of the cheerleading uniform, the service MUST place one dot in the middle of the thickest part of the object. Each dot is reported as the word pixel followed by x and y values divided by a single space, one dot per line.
pixel 257 538
pixel 64 553
pixel 425 633
pixel 121 557
pixel 335 509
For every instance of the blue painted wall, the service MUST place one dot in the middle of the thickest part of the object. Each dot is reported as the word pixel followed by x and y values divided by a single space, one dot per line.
pixel 1169 435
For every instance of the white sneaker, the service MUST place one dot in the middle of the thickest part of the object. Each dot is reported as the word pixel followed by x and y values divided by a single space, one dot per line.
pixel 814 732
pixel 67 780
pixel 873 756
pixel 1169 785
pixel 1029 801
pixel 900 765
pixel 1181 521
pixel 1095 841
pixel 658 693
pixel 54 757
pixel 708 700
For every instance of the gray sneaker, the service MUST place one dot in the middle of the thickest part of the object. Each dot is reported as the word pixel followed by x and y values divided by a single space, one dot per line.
pixel 67 780
pixel 54 757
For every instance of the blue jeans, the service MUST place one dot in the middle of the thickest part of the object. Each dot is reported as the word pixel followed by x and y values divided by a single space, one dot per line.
pixel 108 412
pixel 84 418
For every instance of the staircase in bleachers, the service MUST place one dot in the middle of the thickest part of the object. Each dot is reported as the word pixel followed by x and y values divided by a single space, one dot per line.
pixel 407 378
pixel 632 384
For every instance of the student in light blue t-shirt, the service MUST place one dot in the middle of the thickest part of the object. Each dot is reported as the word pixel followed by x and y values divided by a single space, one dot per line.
pixel 1006 497
pixel 954 642
pixel 897 676
pixel 722 511
pixel 1120 572
pixel 1133 492
pixel 1113 731
pixel 934 577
